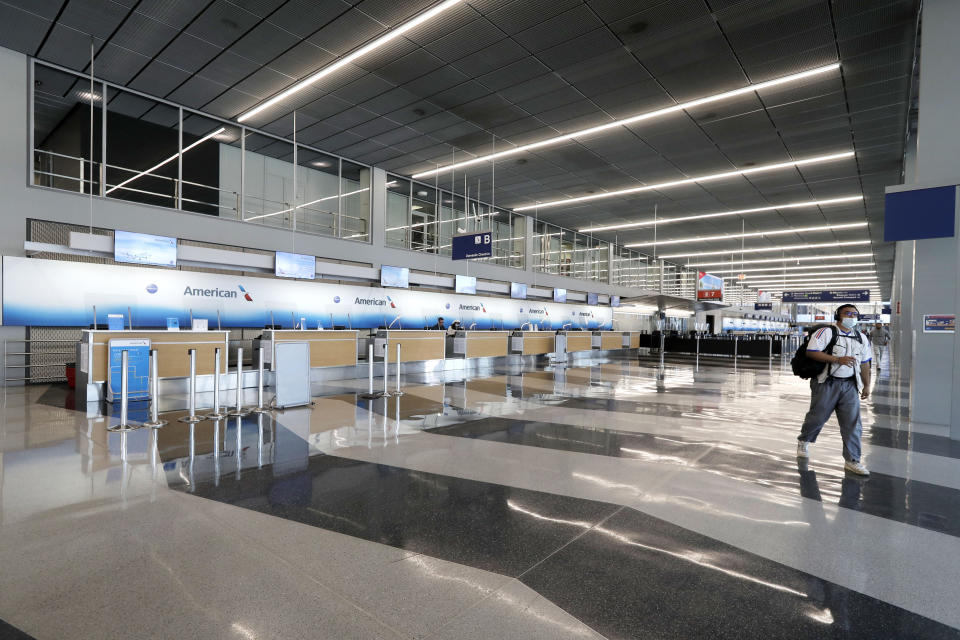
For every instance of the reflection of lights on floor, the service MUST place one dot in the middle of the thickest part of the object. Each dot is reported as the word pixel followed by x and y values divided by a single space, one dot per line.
pixel 696 558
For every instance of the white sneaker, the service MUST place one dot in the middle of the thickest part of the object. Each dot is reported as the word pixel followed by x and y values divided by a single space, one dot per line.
pixel 856 467
pixel 803 450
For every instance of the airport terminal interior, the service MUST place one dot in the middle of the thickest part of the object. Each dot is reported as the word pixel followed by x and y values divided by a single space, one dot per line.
pixel 479 319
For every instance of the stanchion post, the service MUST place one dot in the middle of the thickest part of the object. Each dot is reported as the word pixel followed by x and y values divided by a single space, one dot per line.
pixel 192 416
pixel 217 414
pixel 398 392
pixel 239 411
pixel 370 392
pixel 155 422
pixel 735 340
pixel 124 394
pixel 698 352
pixel 386 370
pixel 260 408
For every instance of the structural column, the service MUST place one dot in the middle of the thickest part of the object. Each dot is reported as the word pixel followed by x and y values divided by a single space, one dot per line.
pixel 933 264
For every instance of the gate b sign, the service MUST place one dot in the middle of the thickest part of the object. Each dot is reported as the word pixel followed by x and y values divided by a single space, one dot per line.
pixel 472 245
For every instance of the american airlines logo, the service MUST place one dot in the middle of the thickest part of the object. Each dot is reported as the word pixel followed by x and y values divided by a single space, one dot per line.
pixel 469 307
pixel 539 312
pixel 215 293
pixel 377 302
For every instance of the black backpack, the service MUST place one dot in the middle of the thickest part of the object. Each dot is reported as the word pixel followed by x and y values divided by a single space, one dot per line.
pixel 806 368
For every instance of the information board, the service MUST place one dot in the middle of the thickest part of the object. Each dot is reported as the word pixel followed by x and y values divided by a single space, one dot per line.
pixel 940 323
pixel 709 287
pixel 138 368
pixel 763 306
pixel 473 245
pixel 851 295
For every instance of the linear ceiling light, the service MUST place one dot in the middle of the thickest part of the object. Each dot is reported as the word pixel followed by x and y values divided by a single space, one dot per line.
pixel 752 234
pixel 858 273
pixel 834 256
pixel 358 53
pixel 777 270
pixel 632 119
pixel 662 221
pixel 677 183
pixel 821 281
pixel 170 159
pixel 790 247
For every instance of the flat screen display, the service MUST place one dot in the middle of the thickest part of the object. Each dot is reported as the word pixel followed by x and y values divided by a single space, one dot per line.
pixel 295 265
pixel 394 277
pixel 614 301
pixel 559 295
pixel 141 248
pixel 591 298
pixel 709 287
pixel 518 290
pixel 466 284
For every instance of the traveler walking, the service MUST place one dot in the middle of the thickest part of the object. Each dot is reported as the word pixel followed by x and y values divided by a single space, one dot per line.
pixel 840 386
pixel 879 338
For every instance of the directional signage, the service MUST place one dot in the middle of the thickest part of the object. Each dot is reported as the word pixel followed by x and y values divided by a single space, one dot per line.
pixel 763 306
pixel 472 245
pixel 852 295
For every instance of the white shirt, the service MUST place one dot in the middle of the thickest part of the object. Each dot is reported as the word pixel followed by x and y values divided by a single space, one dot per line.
pixel 846 345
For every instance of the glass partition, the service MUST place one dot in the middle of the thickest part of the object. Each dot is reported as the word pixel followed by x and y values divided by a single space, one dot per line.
pixel 143 150
pixel 62 104
pixel 398 212
pixel 354 201
pixel 318 195
pixel 211 166
pixel 267 180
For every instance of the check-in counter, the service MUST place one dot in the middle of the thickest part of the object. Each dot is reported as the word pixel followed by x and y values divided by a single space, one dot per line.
pixel 606 340
pixel 633 339
pixel 327 348
pixel 415 346
pixel 575 341
pixel 480 344
pixel 173 359
pixel 532 343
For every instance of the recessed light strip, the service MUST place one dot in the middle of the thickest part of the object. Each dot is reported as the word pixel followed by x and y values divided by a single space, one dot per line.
pixel 632 119
pixel 359 53
pixel 777 270
pixel 677 183
pixel 834 256
pixel 702 216
pixel 752 234
pixel 857 273
pixel 791 247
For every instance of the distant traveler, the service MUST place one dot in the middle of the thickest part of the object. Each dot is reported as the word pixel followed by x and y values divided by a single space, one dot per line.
pixel 879 338
pixel 439 324
pixel 841 385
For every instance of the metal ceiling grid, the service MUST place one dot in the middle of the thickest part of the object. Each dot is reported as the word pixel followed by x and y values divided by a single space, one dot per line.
pixel 528 69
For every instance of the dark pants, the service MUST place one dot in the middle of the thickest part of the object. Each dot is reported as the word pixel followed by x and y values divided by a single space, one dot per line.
pixel 842 397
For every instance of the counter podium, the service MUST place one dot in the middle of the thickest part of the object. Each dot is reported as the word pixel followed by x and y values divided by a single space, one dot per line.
pixel 173 360
pixel 532 343
pixel 337 348
pixel 481 344
pixel 415 346
pixel 607 340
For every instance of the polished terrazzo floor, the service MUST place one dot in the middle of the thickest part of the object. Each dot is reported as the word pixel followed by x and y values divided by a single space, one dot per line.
pixel 614 500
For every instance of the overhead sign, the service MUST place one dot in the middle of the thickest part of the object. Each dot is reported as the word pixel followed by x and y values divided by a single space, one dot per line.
pixel 920 213
pixel 473 245
pixel 942 323
pixel 709 287
pixel 833 295
pixel 54 293
pixel 763 306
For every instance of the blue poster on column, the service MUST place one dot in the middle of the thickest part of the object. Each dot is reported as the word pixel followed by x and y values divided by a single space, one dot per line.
pixel 138 368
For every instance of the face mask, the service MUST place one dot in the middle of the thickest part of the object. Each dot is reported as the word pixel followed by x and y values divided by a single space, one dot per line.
pixel 849 323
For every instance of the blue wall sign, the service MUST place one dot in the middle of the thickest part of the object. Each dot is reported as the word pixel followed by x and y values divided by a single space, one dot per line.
pixel 919 214
pixel 138 368
pixel 473 245
pixel 853 295
pixel 763 306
